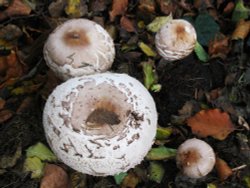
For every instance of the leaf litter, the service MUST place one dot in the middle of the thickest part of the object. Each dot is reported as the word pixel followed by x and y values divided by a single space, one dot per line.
pixel 208 91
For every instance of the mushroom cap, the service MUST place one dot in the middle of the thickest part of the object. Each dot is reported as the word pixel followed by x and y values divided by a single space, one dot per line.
pixel 79 47
pixel 100 124
pixel 175 40
pixel 195 158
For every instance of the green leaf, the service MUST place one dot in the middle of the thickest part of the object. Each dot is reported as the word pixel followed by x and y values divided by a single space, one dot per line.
pixel 156 171
pixel 150 77
pixel 211 185
pixel 161 153
pixel 240 11
pixel 41 151
pixel 146 49
pixel 119 177
pixel 34 165
pixel 158 22
pixel 201 53
pixel 206 28
pixel 247 181
pixel 163 133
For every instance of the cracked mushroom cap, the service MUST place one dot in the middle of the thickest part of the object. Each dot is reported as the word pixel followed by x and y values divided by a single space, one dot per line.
pixel 175 40
pixel 100 124
pixel 79 47
pixel 195 158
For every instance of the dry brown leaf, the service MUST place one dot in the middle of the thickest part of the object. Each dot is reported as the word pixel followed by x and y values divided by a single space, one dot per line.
pixel 242 30
pixel 25 105
pixel 211 123
pixel 119 7
pixel 11 67
pixel 166 7
pixel 219 47
pixel 17 8
pixel 223 170
pixel 2 103
pixel 127 24
pixel 131 180
pixel 147 5
pixel 54 177
pixel 229 8
pixel 5 115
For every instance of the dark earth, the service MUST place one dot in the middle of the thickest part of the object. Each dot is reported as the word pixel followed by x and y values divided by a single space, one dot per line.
pixel 223 82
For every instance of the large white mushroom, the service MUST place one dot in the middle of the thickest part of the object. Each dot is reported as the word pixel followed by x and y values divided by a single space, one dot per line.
pixel 195 158
pixel 175 40
pixel 79 47
pixel 100 124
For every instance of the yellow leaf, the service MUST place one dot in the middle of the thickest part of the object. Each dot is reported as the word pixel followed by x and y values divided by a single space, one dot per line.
pixel 146 49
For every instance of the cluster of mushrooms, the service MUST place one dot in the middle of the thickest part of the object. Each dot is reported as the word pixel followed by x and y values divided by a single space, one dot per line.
pixel 102 123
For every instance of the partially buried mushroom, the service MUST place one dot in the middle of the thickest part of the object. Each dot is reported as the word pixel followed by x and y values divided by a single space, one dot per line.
pixel 79 47
pixel 175 40
pixel 100 124
pixel 195 158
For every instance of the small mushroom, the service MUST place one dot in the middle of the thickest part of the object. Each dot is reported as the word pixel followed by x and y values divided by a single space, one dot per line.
pixel 100 124
pixel 195 158
pixel 79 47
pixel 175 40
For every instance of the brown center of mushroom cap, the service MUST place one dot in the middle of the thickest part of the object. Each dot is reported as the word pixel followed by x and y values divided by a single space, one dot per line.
pixel 100 110
pixel 76 38
pixel 181 32
pixel 189 157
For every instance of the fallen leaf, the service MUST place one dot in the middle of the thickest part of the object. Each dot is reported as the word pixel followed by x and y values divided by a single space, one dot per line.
pixel 247 181
pixel 10 34
pixel 156 171
pixel 16 8
pixel 150 76
pixel 211 123
pixel 127 24
pixel 200 52
pixel 222 168
pixel 166 6
pixel 161 153
pixel 120 177
pixel 211 185
pixel 229 8
pixel 2 103
pixel 54 177
pixel 33 165
pixel 163 133
pixel 206 28
pixel 158 22
pixel 119 7
pixel 5 115
pixel 147 49
pixel 131 180
pixel 76 8
pixel 241 31
pixel 219 47
pixel 11 68
pixel 42 152
pixel 56 8
pixel 98 5
pixel 78 179
pixel 8 161
pixel 25 105
pixel 240 11
pixel 147 5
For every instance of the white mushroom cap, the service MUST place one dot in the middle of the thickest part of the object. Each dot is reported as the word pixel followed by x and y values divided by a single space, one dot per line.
pixel 79 47
pixel 100 124
pixel 195 158
pixel 175 40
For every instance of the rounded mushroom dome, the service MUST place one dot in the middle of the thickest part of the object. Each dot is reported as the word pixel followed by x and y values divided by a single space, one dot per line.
pixel 175 40
pixel 100 124
pixel 79 47
pixel 195 158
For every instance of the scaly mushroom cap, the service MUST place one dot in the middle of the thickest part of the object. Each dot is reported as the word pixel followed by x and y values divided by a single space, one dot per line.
pixel 195 158
pixel 79 47
pixel 175 40
pixel 100 124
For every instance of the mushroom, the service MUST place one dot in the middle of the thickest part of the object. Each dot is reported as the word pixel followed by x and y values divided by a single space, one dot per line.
pixel 195 158
pixel 100 124
pixel 79 47
pixel 175 40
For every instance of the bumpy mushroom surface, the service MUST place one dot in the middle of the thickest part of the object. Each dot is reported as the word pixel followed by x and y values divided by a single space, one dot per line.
pixel 100 124
pixel 195 158
pixel 79 47
pixel 175 40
